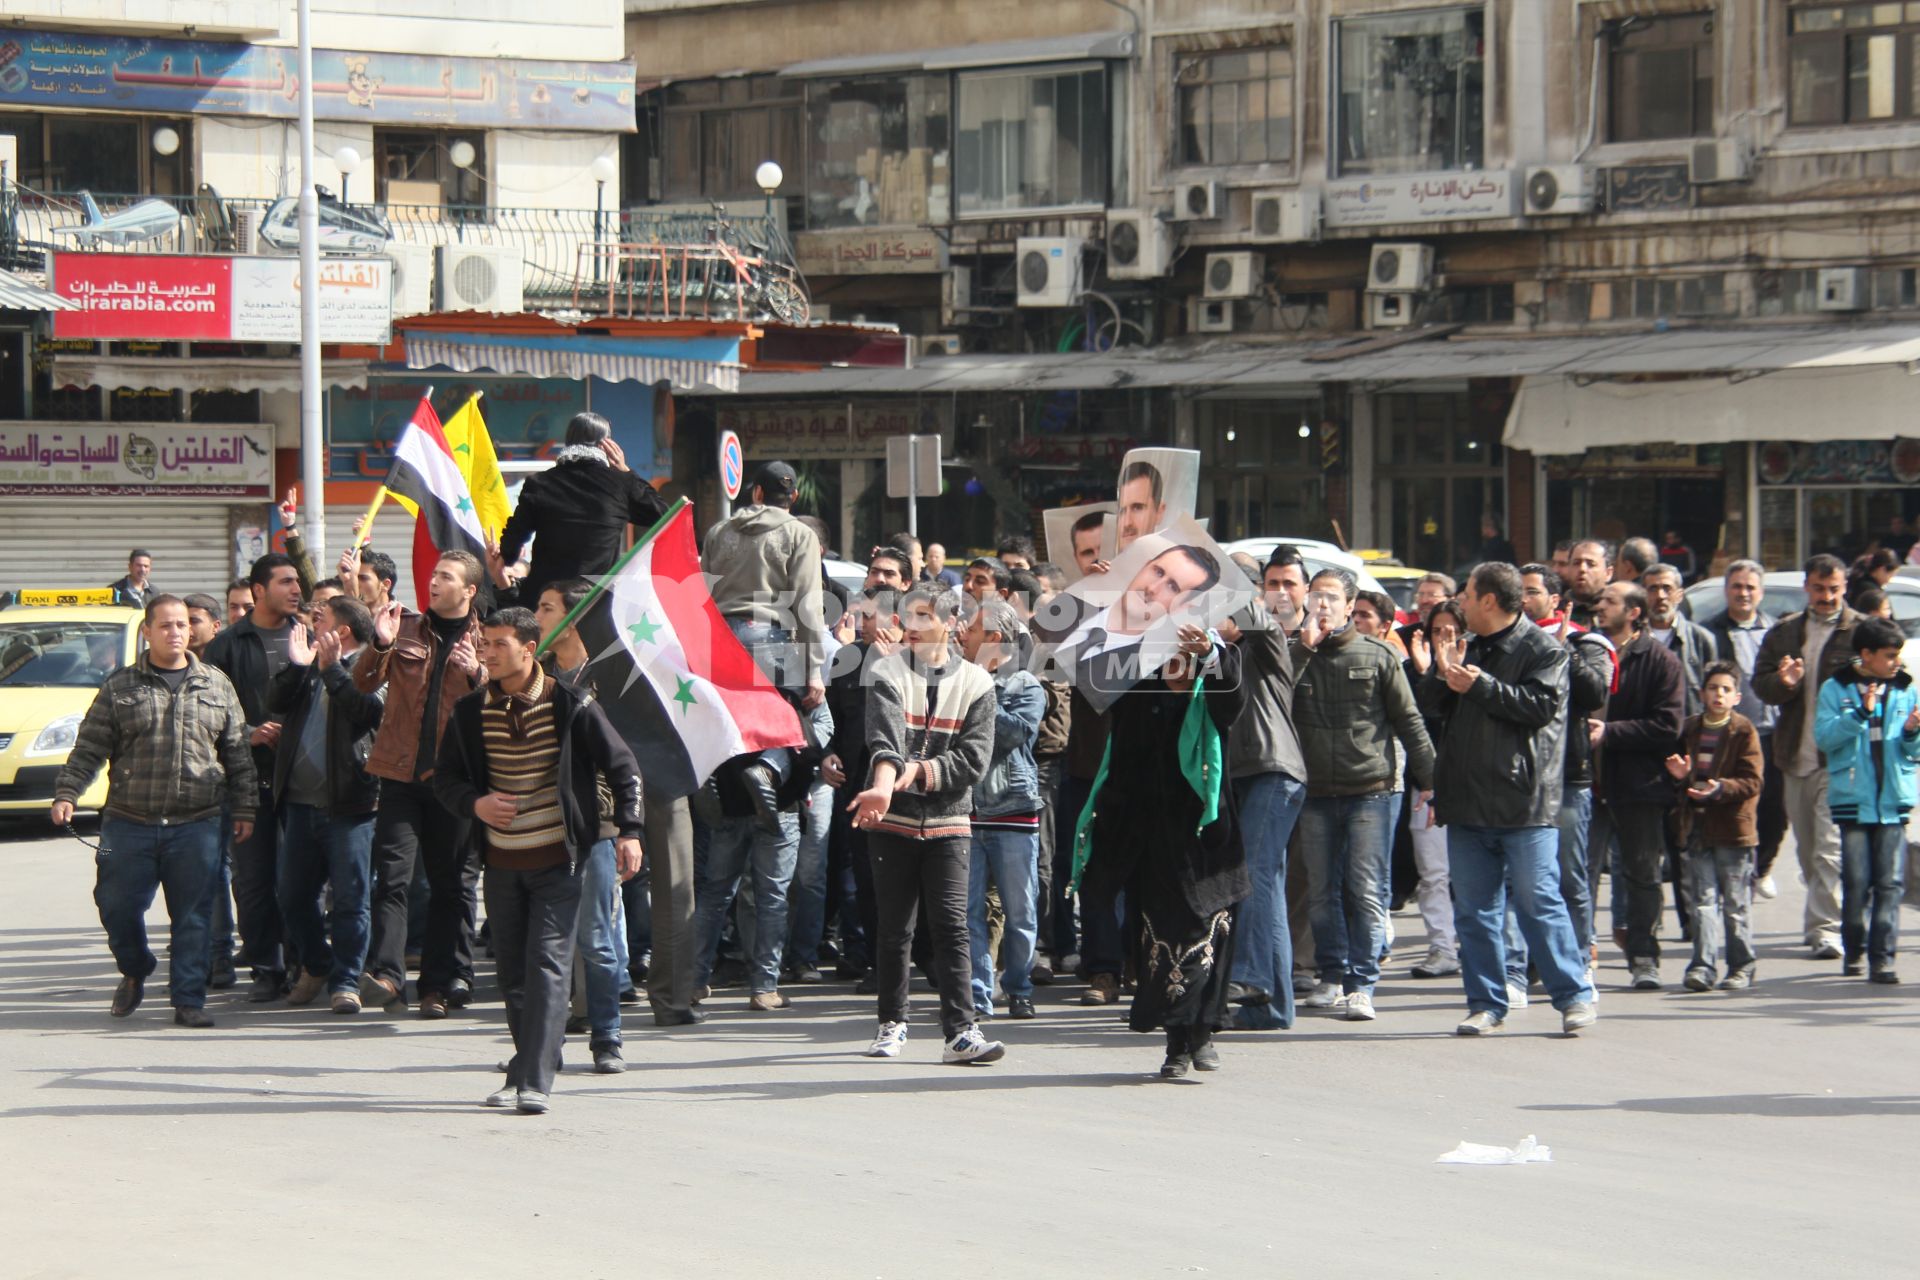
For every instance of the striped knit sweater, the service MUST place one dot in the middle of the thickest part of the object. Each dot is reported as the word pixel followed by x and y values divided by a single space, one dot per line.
pixel 523 760
pixel 943 718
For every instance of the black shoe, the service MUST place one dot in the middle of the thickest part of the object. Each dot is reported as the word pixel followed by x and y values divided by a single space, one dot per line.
pixel 223 977
pixel 762 790
pixel 187 1017
pixel 1176 1066
pixel 629 995
pixel 127 996
pixel 678 1017
pixel 1020 1007
pixel 1243 993
pixel 847 971
pixel 459 993
pixel 1041 974
pixel 268 987
pixel 1885 976
pixel 1206 1058
pixel 578 1026
pixel 607 1060
pixel 1853 968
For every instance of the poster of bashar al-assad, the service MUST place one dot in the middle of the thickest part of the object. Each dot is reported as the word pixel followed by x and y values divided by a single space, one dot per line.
pixel 1157 487
pixel 1077 536
pixel 1108 631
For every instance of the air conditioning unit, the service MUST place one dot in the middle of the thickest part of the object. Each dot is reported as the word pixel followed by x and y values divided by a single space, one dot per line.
pixel 1400 268
pixel 940 344
pixel 1198 201
pixel 1842 289
pixel 412 278
pixel 1555 189
pixel 479 278
pixel 1285 217
pixel 1210 315
pixel 1049 270
pixel 1234 275
pixel 1139 244
pixel 1719 160
pixel 956 295
pixel 246 231
pixel 1389 310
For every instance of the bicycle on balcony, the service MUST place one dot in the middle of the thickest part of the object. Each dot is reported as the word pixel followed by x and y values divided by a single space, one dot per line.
pixel 729 275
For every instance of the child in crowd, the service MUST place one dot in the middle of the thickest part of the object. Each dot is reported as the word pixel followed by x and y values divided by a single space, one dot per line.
pixel 1719 768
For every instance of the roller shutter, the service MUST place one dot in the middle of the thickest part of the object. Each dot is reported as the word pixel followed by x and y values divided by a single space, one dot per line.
pixel 62 542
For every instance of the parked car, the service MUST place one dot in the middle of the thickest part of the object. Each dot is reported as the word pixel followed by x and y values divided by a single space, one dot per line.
pixel 56 647
pixel 1317 554
pixel 1785 594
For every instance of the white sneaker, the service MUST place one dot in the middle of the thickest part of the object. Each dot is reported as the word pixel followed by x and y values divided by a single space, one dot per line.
pixel 1438 964
pixel 887 1044
pixel 1323 996
pixel 504 1096
pixel 1359 1007
pixel 1516 998
pixel 971 1047
pixel 1765 889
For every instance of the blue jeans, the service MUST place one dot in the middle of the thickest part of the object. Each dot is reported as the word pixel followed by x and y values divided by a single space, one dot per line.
pixel 1263 957
pixel 317 849
pixel 1490 867
pixel 135 860
pixel 1576 818
pixel 1013 859
pixel 599 888
pixel 732 849
pixel 1347 844
pixel 1873 863
pixel 807 899
pixel 1721 879
pixel 780 659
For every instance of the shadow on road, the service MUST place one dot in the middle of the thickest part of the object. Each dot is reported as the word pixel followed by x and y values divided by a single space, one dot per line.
pixel 1796 1106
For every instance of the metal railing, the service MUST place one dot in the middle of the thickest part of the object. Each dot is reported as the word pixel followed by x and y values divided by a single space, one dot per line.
pixel 560 249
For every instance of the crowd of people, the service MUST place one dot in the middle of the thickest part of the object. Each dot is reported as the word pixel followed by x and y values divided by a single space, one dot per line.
pixel 1226 842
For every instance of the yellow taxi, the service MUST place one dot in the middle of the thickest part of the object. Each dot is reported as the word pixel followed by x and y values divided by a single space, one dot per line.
pixel 56 647
pixel 1396 579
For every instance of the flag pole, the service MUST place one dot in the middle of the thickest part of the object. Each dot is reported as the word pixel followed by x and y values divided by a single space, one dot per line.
pixel 606 579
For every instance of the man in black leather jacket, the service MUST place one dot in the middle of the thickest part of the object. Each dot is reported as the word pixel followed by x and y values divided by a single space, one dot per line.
pixel 1497 788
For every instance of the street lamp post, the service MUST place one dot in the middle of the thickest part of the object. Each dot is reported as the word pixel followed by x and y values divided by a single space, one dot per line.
pixel 312 445
pixel 769 177
pixel 604 170
pixel 348 161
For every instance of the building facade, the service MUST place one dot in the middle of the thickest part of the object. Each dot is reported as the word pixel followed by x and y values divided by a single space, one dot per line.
pixel 1394 266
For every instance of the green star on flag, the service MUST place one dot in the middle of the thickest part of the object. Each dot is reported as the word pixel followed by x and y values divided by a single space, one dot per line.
pixel 684 694
pixel 644 630
pixel 465 504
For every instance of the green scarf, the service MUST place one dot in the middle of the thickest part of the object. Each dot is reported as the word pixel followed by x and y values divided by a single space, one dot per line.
pixel 1201 763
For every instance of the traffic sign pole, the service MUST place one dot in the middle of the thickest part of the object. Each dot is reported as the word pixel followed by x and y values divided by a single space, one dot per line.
pixel 913 486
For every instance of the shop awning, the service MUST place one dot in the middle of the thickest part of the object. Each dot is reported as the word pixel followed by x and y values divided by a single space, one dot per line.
pixel 689 364
pixel 160 373
pixel 19 294
pixel 1075 48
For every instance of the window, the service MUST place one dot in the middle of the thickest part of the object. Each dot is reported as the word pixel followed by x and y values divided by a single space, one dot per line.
pixel 880 152
pixel 1235 106
pixel 1853 63
pixel 1669 297
pixel 1409 92
pixel 1660 77
pixel 1032 140
pixel 106 155
pixel 717 132
pixel 415 166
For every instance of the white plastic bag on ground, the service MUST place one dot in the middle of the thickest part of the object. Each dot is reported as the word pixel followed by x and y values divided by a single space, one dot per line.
pixel 1526 1151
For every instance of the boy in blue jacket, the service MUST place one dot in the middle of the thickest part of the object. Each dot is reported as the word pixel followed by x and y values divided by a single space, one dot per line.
pixel 1868 729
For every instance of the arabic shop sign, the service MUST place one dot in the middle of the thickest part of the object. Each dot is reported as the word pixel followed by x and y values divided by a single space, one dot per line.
pixel 798 430
pixel 870 253
pixel 181 77
pixel 180 297
pixel 1635 188
pixel 129 459
pixel 1421 197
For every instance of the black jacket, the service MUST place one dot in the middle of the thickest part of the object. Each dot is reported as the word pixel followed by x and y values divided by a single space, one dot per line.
pixel 241 654
pixel 580 509
pixel 1502 756
pixel 1589 684
pixel 588 747
pixel 1643 727
pixel 354 717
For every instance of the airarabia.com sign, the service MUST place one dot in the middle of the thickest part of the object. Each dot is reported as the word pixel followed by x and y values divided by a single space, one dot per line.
pixel 189 298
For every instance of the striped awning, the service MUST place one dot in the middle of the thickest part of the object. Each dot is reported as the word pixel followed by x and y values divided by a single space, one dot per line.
pixel 17 294
pixel 688 364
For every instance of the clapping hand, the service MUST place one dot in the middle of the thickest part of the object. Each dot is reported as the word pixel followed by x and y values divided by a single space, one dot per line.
pixel 326 649
pixel 1792 671
pixel 386 623
pixel 1869 695
pixel 1422 652
pixel 1677 767
pixel 1704 792
pixel 1913 721
pixel 463 657
pixel 299 646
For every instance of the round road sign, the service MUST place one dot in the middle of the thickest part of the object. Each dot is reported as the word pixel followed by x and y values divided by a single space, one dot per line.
pixel 733 467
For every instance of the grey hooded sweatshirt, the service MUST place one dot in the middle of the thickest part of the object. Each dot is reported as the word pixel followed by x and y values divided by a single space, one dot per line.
pixel 766 568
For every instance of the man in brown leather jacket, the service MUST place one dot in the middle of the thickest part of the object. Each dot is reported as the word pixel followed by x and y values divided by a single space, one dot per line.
pixel 428 662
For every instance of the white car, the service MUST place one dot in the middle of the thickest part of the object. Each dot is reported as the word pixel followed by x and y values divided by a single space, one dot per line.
pixel 1318 555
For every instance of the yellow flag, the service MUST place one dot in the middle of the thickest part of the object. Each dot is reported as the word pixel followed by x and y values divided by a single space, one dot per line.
pixel 472 447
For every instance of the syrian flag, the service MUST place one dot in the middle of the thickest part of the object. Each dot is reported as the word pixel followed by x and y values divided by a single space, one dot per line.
pixel 425 474
pixel 679 688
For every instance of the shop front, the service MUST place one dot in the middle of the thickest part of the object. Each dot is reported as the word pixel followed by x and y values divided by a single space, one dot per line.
pixel 1439 470
pixel 1262 467
pixel 1623 491
pixel 1839 496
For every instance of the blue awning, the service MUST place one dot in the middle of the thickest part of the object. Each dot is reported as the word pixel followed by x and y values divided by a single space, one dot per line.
pixel 689 364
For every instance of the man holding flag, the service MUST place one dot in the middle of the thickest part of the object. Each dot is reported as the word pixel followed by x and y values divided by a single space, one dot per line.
pixel 580 509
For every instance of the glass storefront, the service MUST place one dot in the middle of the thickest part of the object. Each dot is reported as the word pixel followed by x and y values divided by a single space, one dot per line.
pixel 1262 478
pixel 1440 470
pixel 1840 497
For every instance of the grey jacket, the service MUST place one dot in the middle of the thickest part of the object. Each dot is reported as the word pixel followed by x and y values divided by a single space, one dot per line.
pixel 766 567
pixel 1011 784
pixel 1263 739
pixel 1694 645
pixel 1350 700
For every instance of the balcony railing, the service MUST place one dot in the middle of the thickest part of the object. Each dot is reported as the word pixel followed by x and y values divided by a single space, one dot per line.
pixel 561 250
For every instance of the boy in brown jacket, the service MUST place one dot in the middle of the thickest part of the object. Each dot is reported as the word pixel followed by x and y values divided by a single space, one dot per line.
pixel 1720 772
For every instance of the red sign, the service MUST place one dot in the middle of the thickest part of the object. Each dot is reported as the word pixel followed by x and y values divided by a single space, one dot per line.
pixel 144 295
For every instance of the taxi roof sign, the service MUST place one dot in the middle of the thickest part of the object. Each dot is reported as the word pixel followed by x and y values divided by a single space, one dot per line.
pixel 63 597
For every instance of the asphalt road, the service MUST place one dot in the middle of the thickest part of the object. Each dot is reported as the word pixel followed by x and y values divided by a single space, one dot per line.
pixel 1771 1132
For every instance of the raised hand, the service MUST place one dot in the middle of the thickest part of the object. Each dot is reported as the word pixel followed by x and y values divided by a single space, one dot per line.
pixel 616 456
pixel 289 508
pixel 1792 671
pixel 1422 652
pixel 349 565
pixel 1677 767
pixel 300 646
pixel 326 649
pixel 386 623
pixel 463 657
